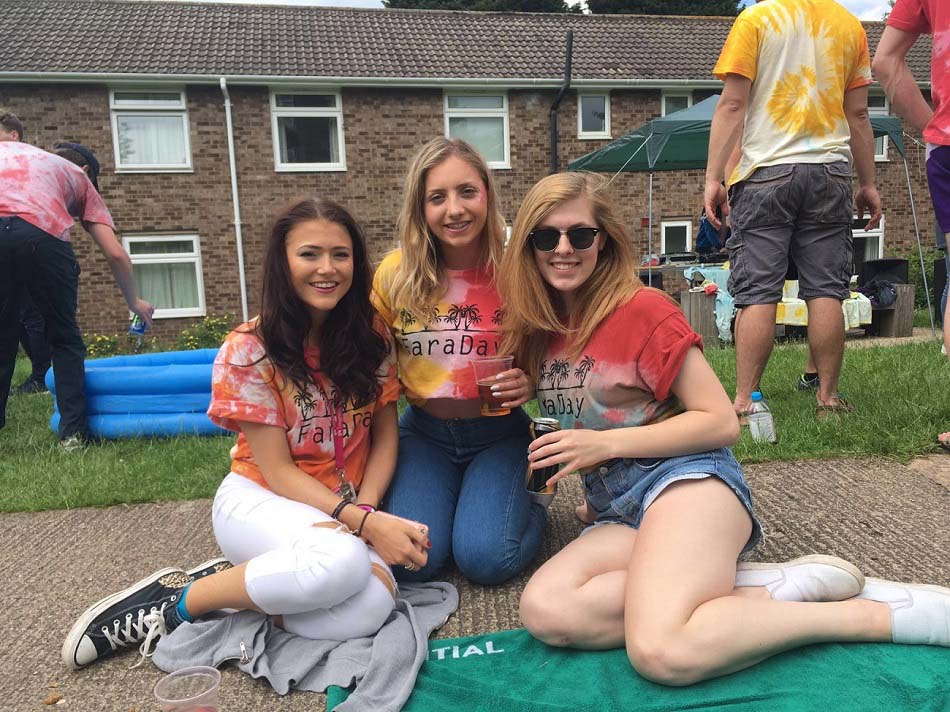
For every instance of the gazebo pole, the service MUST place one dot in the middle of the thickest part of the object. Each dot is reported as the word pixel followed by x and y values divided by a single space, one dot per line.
pixel 650 234
pixel 920 249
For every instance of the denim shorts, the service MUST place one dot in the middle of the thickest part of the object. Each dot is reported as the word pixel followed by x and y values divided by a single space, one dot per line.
pixel 621 490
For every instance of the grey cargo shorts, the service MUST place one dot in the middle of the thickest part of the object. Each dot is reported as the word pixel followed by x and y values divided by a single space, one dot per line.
pixel 800 209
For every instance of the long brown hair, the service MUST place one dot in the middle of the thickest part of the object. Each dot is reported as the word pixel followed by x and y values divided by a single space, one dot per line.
pixel 351 350
pixel 419 280
pixel 534 311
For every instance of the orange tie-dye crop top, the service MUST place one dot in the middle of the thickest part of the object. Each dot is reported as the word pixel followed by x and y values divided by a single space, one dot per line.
pixel 802 56
pixel 245 386
pixel 435 350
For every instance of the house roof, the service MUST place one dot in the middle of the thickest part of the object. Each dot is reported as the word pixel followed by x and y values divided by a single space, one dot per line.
pixel 75 38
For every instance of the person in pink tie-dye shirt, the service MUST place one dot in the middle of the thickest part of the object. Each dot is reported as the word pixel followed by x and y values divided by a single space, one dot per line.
pixel 647 424
pixel 460 472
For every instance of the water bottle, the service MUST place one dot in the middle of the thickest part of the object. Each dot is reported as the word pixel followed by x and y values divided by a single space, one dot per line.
pixel 761 424
pixel 137 329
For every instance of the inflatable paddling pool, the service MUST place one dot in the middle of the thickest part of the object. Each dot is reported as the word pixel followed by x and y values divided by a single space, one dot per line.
pixel 147 395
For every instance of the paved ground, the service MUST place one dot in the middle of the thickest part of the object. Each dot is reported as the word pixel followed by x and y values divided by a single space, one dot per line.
pixel 890 519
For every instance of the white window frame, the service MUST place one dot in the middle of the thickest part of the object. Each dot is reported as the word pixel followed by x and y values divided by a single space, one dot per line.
pixel 309 111
pixel 678 94
pixel 880 111
pixel 876 232
pixel 146 109
pixel 501 113
pixel 172 258
pixel 688 224
pixel 587 135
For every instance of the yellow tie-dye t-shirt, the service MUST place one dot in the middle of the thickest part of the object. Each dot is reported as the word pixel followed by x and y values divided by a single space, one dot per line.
pixel 435 351
pixel 802 56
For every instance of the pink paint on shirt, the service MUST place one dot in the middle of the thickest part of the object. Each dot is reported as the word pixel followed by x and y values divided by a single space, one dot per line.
pixel 931 17
pixel 47 191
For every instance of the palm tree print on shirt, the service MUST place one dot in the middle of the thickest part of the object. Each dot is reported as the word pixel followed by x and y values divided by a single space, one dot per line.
pixel 559 370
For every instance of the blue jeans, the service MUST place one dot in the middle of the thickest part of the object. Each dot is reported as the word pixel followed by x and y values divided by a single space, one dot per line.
pixel 464 478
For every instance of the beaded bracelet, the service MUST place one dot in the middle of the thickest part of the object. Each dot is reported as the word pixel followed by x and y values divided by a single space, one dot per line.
pixel 367 507
pixel 339 508
pixel 359 530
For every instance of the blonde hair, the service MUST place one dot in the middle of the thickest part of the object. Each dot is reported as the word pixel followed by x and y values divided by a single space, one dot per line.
pixel 533 311
pixel 419 279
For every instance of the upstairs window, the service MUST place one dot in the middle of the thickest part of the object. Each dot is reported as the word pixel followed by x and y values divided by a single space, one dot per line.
pixel 673 101
pixel 482 120
pixel 308 131
pixel 593 116
pixel 150 131
pixel 879 106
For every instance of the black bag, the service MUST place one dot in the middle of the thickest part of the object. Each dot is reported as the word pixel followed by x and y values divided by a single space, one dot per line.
pixel 881 292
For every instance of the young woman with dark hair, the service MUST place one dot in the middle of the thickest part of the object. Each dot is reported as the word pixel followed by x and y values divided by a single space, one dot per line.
pixel 310 386
pixel 669 507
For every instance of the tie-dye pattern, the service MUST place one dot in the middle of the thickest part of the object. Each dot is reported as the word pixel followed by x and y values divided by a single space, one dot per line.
pixel 931 17
pixel 47 191
pixel 802 56
pixel 622 378
pixel 435 350
pixel 245 387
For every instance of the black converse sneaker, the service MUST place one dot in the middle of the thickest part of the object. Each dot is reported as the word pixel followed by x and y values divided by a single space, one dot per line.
pixel 139 614
pixel 212 566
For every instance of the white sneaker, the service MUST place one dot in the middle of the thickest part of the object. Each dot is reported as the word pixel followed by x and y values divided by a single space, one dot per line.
pixel 808 579
pixel 920 614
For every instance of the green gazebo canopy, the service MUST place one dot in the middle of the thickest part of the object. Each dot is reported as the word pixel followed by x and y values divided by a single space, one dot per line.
pixel 680 141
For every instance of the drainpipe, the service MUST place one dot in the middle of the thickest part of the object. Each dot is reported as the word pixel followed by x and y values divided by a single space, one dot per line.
pixel 242 278
pixel 557 100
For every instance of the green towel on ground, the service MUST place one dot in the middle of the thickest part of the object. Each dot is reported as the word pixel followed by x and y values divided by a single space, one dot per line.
pixel 513 672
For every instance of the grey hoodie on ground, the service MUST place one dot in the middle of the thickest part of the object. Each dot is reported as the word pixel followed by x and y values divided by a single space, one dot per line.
pixel 384 666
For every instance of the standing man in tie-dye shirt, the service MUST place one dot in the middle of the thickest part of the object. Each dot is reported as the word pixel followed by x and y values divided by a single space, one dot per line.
pixel 907 21
pixel 795 76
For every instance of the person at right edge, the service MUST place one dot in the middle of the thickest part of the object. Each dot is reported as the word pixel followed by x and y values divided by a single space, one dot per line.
pixel 907 21
pixel 795 76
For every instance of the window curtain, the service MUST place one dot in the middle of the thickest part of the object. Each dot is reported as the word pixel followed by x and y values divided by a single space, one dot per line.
pixel 151 140
pixel 168 286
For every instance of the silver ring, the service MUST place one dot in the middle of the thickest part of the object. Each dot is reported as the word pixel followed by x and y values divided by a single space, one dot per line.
pixel 410 566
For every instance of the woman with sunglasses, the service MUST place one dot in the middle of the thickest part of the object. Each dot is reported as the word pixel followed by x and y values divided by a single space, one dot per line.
pixel 459 472
pixel 310 387
pixel 647 424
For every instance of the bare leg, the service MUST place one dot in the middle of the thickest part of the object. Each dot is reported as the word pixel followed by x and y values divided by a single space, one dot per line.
pixel 755 335
pixel 826 345
pixel 682 623
pixel 224 589
pixel 577 597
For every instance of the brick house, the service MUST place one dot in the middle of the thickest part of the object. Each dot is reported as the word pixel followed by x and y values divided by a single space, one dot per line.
pixel 335 101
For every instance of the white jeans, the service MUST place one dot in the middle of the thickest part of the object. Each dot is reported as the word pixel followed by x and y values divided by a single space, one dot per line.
pixel 319 579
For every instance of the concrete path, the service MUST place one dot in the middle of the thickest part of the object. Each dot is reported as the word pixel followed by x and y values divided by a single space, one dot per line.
pixel 890 519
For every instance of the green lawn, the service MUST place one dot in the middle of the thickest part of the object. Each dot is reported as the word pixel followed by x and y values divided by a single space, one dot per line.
pixel 900 393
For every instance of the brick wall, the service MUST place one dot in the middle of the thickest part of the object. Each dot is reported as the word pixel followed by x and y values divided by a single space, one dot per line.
pixel 383 127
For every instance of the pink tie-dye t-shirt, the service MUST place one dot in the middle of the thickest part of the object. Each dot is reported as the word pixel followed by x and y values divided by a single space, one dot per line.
pixel 47 191
pixel 931 17
pixel 435 350
pixel 245 387
pixel 622 377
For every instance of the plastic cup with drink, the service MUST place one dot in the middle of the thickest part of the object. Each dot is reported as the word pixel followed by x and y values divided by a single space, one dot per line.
pixel 191 689
pixel 486 373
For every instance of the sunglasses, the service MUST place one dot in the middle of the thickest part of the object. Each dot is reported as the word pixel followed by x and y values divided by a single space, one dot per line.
pixel 546 239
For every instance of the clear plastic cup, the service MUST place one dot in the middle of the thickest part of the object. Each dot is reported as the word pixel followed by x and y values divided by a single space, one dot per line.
pixel 485 371
pixel 192 689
